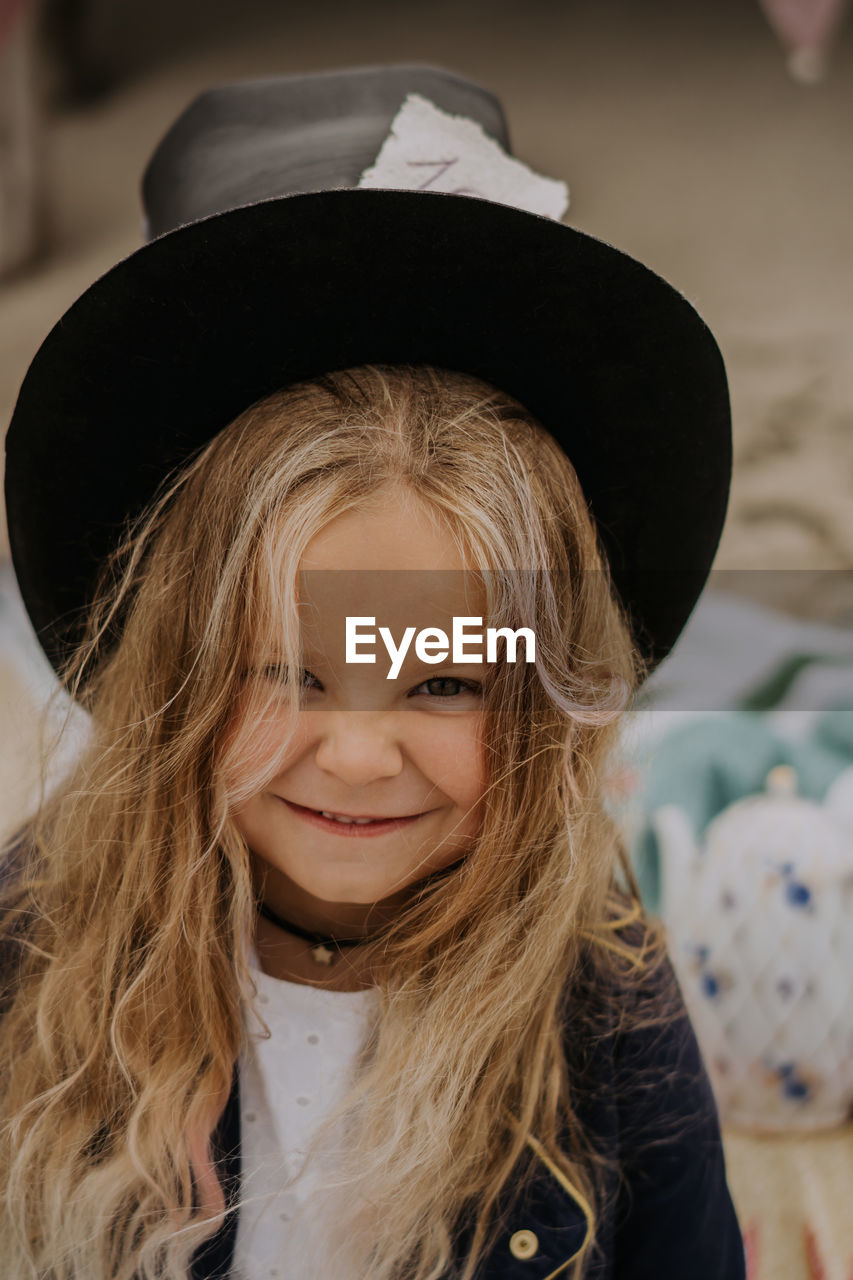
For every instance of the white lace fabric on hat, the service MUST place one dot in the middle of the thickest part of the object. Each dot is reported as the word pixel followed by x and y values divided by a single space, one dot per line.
pixel 429 149
pixel 288 1084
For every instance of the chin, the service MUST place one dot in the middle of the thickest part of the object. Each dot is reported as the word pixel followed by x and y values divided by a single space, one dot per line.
pixel 357 895
pixel 338 890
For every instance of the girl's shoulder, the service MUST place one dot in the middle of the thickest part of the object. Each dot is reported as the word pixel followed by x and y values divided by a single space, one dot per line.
pixel 649 1100
pixel 625 978
pixel 638 1036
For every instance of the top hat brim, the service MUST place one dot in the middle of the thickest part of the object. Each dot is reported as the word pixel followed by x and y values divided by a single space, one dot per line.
pixel 170 345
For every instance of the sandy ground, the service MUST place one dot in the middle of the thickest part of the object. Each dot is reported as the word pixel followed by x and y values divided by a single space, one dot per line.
pixel 684 142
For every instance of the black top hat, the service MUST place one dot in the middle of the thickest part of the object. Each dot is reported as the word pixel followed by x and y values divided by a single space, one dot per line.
pixel 269 265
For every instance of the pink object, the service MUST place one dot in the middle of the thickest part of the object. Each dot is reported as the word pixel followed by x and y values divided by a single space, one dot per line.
pixel 750 1248
pixel 10 11
pixel 817 1271
pixel 806 28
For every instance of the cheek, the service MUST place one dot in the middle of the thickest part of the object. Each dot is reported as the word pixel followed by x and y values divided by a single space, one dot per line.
pixel 256 747
pixel 457 761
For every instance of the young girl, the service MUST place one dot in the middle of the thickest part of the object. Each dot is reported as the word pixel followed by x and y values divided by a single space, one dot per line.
pixel 309 971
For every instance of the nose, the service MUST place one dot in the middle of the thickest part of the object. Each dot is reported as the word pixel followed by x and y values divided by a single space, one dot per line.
pixel 359 747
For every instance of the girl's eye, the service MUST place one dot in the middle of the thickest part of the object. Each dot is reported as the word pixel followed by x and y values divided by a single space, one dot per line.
pixel 281 675
pixel 448 687
pixel 441 688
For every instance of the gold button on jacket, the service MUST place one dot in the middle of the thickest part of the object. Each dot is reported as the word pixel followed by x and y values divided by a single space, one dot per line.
pixel 523 1244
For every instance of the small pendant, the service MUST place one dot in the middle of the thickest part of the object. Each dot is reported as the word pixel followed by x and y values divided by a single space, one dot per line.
pixel 321 954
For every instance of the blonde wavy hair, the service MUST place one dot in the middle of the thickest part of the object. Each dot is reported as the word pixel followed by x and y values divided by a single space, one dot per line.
pixel 127 927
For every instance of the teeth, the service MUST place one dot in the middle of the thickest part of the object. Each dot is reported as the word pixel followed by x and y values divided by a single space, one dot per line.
pixel 336 817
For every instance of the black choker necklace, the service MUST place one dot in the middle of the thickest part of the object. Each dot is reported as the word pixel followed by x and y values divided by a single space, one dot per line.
pixel 321 951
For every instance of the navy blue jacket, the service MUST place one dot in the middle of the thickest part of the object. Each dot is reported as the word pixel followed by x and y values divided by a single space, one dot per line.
pixel 670 1217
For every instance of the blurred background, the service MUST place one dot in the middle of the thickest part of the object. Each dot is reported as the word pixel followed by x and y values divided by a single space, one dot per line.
pixel 683 136
pixel 711 140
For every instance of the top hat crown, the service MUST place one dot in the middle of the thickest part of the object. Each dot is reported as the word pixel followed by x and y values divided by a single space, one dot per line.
pixel 257 140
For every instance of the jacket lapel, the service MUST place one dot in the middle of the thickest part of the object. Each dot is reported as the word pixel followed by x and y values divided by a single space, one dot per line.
pixel 540 1235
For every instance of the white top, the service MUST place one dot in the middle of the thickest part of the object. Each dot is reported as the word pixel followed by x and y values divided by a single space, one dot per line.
pixel 288 1084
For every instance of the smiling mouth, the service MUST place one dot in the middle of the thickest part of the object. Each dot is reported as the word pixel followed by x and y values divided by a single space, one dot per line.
pixel 351 823
pixel 341 817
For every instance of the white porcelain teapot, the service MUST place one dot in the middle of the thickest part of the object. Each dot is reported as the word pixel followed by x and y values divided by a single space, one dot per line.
pixel 759 914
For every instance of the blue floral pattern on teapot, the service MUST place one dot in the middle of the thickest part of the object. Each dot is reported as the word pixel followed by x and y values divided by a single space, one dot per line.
pixel 759 913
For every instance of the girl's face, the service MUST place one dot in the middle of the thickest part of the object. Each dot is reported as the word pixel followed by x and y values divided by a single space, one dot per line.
pixel 407 750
